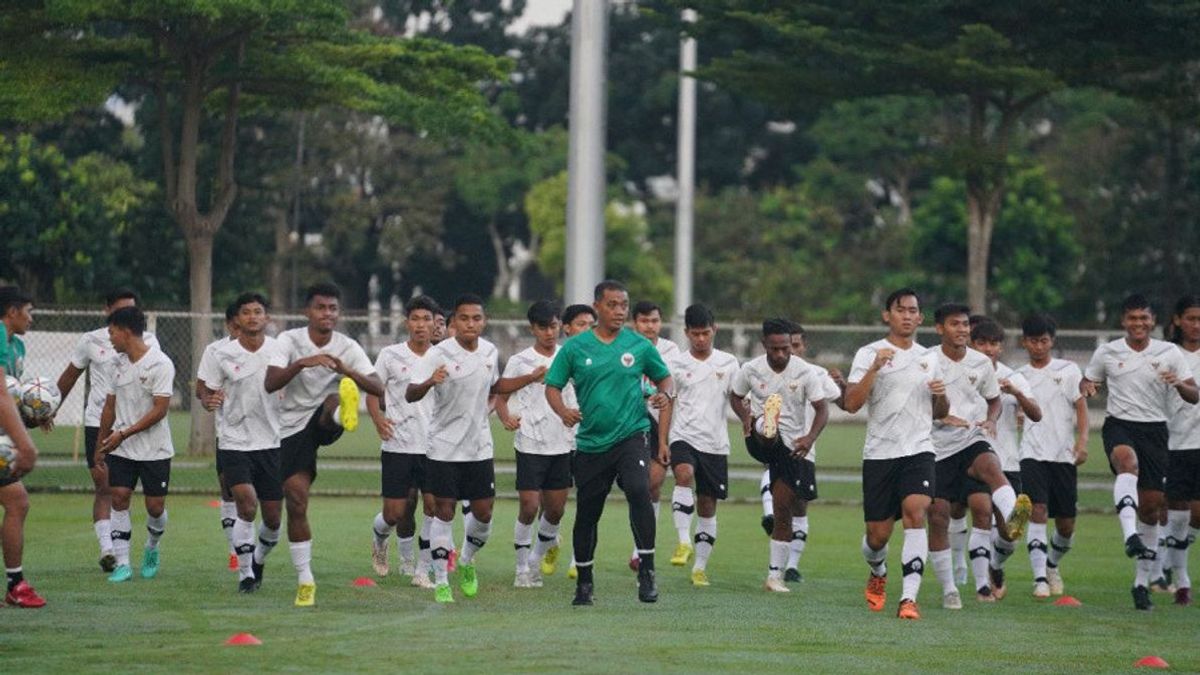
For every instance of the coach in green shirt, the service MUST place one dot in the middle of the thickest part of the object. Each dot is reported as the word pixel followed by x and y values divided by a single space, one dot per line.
pixel 606 366
pixel 15 318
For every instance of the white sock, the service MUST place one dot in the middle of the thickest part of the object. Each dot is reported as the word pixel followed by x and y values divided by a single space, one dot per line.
pixel 155 526
pixel 103 529
pixel 1177 546
pixel 243 545
pixel 778 559
pixel 916 549
pixel 337 415
pixel 547 537
pixel 706 538
pixel 302 561
pixel 943 569
pixel 877 560
pixel 683 505
pixel 1144 564
pixel 1035 538
pixel 1003 549
pixel 476 536
pixel 122 531
pixel 405 546
pixel 1005 499
pixel 382 530
pixel 468 520
pixel 768 500
pixel 441 538
pixel 1126 499
pixel 958 542
pixel 267 539
pixel 228 517
pixel 425 546
pixel 1160 555
pixel 1059 545
pixel 799 541
pixel 522 542
pixel 980 544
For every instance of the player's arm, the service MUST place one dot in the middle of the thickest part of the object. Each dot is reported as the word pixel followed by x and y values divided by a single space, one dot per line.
pixel 66 381
pixel 993 416
pixel 14 428
pixel 666 388
pixel 162 404
pixel 509 385
pixel 1029 407
pixel 858 392
pixel 510 422
pixel 416 391
pixel 1081 430
pixel 1186 388
pixel 742 410
pixel 1093 374
pixel 108 415
pixel 278 377
pixel 941 404
pixel 569 416
pixel 210 398
pixel 375 408
pixel 805 443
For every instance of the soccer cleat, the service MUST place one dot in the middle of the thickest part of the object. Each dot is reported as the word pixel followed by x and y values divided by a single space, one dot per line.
pixel 583 594
pixel 985 594
pixel 467 580
pixel 1020 517
pixel 379 557
pixel 792 575
pixel 908 610
pixel 1141 599
pixel 999 590
pixel 408 567
pixel 521 580
pixel 149 563
pixel 257 569
pixel 1161 585
pixel 682 554
pixel 776 585
pixel 23 595
pixel 549 562
pixel 421 580
pixel 1055 580
pixel 1183 596
pixel 876 592
pixel 1041 589
pixel 768 523
pixel 535 578
pixel 572 571
pixel 442 593
pixel 247 585
pixel 108 562
pixel 121 573
pixel 771 409
pixel 233 562
pixel 348 404
pixel 700 578
pixel 306 595
pixel 452 561
pixel 1134 547
pixel 951 600
pixel 647 589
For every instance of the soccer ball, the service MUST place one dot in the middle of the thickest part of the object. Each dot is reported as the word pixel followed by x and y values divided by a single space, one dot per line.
pixel 8 454
pixel 14 388
pixel 39 399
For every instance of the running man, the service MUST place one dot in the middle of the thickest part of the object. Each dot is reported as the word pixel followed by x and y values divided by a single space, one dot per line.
pixel 1183 476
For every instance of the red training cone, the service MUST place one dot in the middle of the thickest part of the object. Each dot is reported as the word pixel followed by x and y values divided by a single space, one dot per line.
pixel 1151 662
pixel 1067 601
pixel 243 639
pixel 364 582
pixel 216 503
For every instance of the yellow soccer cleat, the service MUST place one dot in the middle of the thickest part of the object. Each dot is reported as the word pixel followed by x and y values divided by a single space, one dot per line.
pixel 306 595
pixel 772 407
pixel 699 578
pixel 682 554
pixel 572 572
pixel 348 404
pixel 1020 517
pixel 550 561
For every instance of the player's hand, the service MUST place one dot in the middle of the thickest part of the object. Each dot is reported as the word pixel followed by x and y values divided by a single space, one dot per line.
pixel 1008 387
pixel 747 426
pixel 213 400
pixel 48 425
pixel 571 417
pixel 660 401
pixel 384 427
pixel 937 387
pixel 322 360
pixel 882 358
pixel 989 427
pixel 511 422
pixel 538 374
pixel 1170 377
pixel 1081 454
pixel 1087 388
pixel 836 376
pixel 664 454
pixel 952 421
pixel 802 446
pixel 24 462
pixel 111 442
pixel 439 376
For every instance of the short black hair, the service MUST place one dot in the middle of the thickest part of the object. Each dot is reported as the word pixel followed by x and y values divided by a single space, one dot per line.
pixel 423 302
pixel 776 326
pixel 570 313
pixel 698 316
pixel 467 299
pixel 646 308
pixel 231 311
pixel 122 293
pixel 129 318
pixel 608 285
pixel 325 289
pixel 987 330
pixel 897 294
pixel 12 297
pixel 797 329
pixel 1135 302
pixel 542 313
pixel 1037 325
pixel 1174 334
pixel 975 319
pixel 441 311
pixel 249 299
pixel 948 310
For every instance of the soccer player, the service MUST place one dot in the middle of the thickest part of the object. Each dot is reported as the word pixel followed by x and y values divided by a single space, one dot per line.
pixel 248 445
pixel 543 444
pixel 968 470
pixel 94 354
pixel 403 428
pixel 1183 476
pixel 606 365
pixel 136 438
pixel 211 400
pixel 15 320
pixel 1051 448
pixel 1144 375
pixel 576 319
pixel 899 382
pixel 699 434
pixel 462 372
pixel 320 372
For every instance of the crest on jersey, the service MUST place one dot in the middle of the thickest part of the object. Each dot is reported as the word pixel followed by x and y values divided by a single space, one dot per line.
pixel 1154 364
pixel 587 361
pixel 924 366
pixel 1058 380
pixel 793 385
pixel 627 360
pixel 720 375
pixel 1121 364
pixel 972 377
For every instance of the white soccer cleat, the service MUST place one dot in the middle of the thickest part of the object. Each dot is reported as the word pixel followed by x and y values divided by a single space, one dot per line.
pixel 521 580
pixel 535 577
pixel 408 568
pixel 1041 589
pixel 1054 579
pixel 952 600
pixel 776 585
pixel 421 580
pixel 379 558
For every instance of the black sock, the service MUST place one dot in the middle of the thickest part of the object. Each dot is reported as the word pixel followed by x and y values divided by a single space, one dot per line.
pixel 646 561
pixel 585 574
pixel 15 578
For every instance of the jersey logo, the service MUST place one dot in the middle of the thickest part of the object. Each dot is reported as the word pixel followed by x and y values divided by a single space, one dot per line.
pixel 627 360
pixel 924 366
pixel 1154 364
pixel 972 378
pixel 720 375
pixel 793 385
pixel 1058 380
pixel 587 361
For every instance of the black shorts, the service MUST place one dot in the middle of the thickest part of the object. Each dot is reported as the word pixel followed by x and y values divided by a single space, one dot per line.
pixel 155 475
pixel 543 472
pixel 1183 477
pixel 402 473
pixel 711 471
pixel 887 482
pixel 627 462
pixel 1014 479
pixel 953 483
pixel 1149 443
pixel 91 437
pixel 1054 484
pixel 298 452
pixel 799 474
pixel 259 468
pixel 461 480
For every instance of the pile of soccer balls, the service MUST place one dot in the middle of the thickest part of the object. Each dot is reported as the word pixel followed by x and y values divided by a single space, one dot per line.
pixel 37 400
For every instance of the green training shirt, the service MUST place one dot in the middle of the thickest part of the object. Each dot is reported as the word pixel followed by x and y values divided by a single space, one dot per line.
pixel 12 353
pixel 608 384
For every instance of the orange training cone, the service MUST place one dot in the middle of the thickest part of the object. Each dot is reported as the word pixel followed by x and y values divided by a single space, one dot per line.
pixel 215 503
pixel 1151 662
pixel 243 639
pixel 1067 601
pixel 364 582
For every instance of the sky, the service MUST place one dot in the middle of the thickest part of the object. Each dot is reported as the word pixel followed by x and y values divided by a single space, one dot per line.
pixel 542 13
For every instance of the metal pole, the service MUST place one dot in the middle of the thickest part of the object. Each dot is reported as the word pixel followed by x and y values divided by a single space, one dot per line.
pixel 686 175
pixel 585 160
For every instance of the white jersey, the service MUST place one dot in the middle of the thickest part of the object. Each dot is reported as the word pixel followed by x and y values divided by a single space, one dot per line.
pixel 250 415
pixel 800 385
pixel 1184 422
pixel 1056 389
pixel 541 431
pixel 459 430
pixel 311 386
pixel 207 365
pixel 135 386
pixel 900 405
pixel 1007 443
pixel 669 351
pixel 702 398
pixel 970 383
pixel 832 393
pixel 94 351
pixel 1136 391
pixel 410 421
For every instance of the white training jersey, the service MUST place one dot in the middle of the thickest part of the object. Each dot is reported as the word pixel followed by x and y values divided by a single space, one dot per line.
pixel 410 421
pixel 970 383
pixel 311 386
pixel 250 415
pixel 1184 421
pixel 207 366
pixel 832 393
pixel 94 351
pixel 668 351
pixel 1007 443
pixel 702 388
pixel 1056 389
pixel 800 385
pixel 1136 391
pixel 458 429
pixel 900 405
pixel 135 386
pixel 541 431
